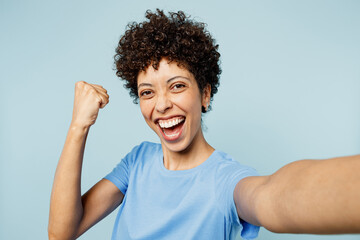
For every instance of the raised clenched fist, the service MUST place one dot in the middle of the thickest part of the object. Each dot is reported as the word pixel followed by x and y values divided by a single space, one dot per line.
pixel 89 98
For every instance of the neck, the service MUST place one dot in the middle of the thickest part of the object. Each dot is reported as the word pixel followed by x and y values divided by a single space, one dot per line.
pixel 194 155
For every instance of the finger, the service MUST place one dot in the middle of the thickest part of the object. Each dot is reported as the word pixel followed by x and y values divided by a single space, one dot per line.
pixel 97 85
pixel 103 100
pixel 105 95
pixel 99 88
pixel 80 85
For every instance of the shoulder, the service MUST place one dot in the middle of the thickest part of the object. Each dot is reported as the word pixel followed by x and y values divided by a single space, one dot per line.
pixel 145 148
pixel 138 156
pixel 228 171
pixel 226 164
pixel 142 152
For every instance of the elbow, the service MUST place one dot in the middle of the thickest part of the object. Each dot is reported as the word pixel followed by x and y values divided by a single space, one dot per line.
pixel 57 234
pixel 62 227
pixel 52 235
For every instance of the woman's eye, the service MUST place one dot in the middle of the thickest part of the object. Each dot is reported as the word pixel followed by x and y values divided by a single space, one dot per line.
pixel 145 93
pixel 178 86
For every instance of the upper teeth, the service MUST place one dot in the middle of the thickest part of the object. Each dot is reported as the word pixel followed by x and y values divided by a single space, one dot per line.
pixel 170 122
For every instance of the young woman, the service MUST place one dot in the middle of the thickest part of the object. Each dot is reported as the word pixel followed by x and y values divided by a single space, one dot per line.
pixel 183 188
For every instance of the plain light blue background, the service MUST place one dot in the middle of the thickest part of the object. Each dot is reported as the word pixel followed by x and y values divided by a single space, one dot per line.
pixel 289 90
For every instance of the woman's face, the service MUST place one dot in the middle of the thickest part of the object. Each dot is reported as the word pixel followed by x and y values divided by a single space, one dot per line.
pixel 170 102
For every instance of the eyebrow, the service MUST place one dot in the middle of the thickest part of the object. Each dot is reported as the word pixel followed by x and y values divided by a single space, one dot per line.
pixel 167 81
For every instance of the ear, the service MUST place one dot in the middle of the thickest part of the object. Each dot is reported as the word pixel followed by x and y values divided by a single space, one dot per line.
pixel 206 95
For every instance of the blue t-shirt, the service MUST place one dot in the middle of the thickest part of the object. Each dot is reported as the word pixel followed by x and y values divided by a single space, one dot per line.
pixel 186 204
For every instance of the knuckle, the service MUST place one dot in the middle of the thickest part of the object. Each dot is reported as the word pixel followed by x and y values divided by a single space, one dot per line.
pixel 92 91
pixel 79 83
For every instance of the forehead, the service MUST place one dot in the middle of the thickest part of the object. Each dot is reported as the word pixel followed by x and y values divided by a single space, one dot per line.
pixel 165 71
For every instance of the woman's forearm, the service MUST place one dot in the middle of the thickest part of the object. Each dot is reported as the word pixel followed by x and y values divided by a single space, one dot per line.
pixel 65 205
pixel 313 196
pixel 66 209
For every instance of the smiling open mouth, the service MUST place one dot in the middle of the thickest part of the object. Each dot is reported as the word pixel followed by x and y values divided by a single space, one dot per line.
pixel 171 128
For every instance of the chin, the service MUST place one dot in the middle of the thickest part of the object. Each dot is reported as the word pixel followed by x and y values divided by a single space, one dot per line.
pixel 175 147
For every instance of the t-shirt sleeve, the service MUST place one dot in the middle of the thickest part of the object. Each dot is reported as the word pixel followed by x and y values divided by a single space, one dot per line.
pixel 248 231
pixel 231 174
pixel 121 173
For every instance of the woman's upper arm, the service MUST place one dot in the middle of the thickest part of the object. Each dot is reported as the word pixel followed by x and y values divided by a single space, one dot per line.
pixel 98 202
pixel 247 197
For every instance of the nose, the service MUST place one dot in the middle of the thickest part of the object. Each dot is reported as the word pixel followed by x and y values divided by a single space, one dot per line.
pixel 163 103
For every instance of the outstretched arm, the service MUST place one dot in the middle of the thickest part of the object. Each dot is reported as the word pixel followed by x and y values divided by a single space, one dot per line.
pixel 307 196
pixel 71 214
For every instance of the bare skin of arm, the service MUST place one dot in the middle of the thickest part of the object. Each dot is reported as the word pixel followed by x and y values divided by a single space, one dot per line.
pixel 307 196
pixel 70 213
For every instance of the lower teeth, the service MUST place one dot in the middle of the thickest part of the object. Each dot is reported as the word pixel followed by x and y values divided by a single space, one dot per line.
pixel 172 135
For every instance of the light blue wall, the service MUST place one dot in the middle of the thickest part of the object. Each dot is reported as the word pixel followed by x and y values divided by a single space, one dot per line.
pixel 289 90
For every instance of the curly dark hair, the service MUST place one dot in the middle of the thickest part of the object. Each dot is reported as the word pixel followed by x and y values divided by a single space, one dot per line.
pixel 175 37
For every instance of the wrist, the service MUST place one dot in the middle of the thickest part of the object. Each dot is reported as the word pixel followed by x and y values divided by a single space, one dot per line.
pixel 79 126
pixel 78 130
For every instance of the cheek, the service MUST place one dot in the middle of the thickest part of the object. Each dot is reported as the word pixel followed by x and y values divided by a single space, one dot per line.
pixel 190 103
pixel 145 110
